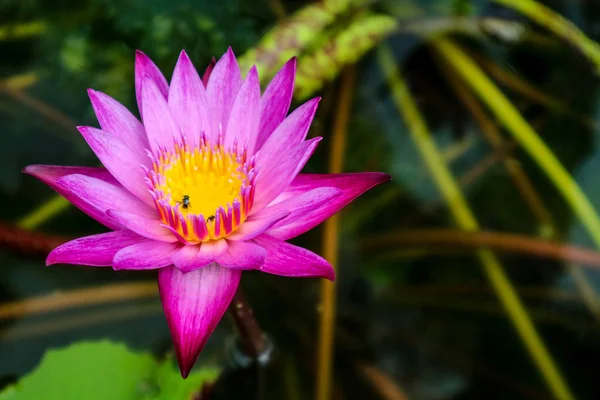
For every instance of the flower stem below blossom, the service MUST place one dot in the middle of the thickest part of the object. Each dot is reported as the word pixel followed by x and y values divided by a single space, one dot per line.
pixel 253 341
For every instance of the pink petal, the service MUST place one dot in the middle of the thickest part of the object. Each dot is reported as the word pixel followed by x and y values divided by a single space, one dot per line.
pixel 123 163
pixel 243 255
pixel 192 257
pixel 258 223
pixel 288 135
pixel 288 260
pixel 95 250
pixel 50 174
pixel 188 101
pixel 271 181
pixel 276 101
pixel 95 197
pixel 352 185
pixel 117 120
pixel 160 125
pixel 194 303
pixel 208 71
pixel 144 67
pixel 148 226
pixel 223 86
pixel 302 209
pixel 245 113
pixel 149 254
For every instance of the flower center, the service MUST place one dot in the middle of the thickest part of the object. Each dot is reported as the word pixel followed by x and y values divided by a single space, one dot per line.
pixel 203 193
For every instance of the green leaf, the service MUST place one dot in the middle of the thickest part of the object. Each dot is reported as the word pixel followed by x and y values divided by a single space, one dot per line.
pixel 171 385
pixel 105 370
pixel 341 49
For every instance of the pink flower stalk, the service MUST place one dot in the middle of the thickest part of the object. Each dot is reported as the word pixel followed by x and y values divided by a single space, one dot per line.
pixel 207 187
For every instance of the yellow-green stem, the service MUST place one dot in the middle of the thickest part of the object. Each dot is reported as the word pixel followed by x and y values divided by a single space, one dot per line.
pixel 466 220
pixel 508 115
pixel 558 25
pixel 330 242
pixel 49 209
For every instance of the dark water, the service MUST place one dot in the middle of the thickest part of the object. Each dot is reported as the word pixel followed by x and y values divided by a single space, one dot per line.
pixel 425 317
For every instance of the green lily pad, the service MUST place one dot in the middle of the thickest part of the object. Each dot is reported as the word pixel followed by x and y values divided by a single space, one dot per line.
pixel 105 370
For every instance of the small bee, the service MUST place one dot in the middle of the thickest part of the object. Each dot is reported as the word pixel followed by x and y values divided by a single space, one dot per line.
pixel 186 202
pixel 211 218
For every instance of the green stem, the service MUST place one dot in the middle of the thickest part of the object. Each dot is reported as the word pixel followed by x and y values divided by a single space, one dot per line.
pixel 466 220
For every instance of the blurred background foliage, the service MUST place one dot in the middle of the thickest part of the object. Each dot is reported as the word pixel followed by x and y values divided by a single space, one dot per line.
pixel 473 274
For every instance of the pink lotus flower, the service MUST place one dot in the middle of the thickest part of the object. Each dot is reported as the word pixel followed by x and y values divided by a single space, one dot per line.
pixel 207 187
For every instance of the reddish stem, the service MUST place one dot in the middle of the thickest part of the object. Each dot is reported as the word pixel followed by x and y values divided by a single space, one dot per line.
pixel 26 242
pixel 252 338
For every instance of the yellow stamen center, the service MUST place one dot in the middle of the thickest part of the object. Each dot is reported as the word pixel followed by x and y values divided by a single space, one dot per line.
pixel 203 193
pixel 209 179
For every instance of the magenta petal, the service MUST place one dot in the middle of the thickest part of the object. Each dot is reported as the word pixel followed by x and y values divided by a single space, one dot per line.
pixel 96 250
pixel 148 226
pixel 208 71
pixel 243 255
pixel 276 101
pixel 50 174
pixel 145 68
pixel 188 101
pixel 160 125
pixel 123 163
pixel 185 258
pixel 352 185
pixel 245 113
pixel 194 303
pixel 95 197
pixel 223 86
pixel 288 260
pixel 258 223
pixel 149 254
pixel 192 257
pixel 302 209
pixel 117 120
pixel 288 135
pixel 270 182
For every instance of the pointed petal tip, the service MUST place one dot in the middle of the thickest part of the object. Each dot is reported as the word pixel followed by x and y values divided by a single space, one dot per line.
pixel 83 129
pixel 96 96
pixel 36 170
pixel 141 58
pixel 253 72
pixel 330 274
pixel 208 71
pixel 30 169
pixel 312 104
pixel 183 56
pixel 140 54
pixel 51 259
pixel 230 54
pixel 382 177
pixel 185 371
